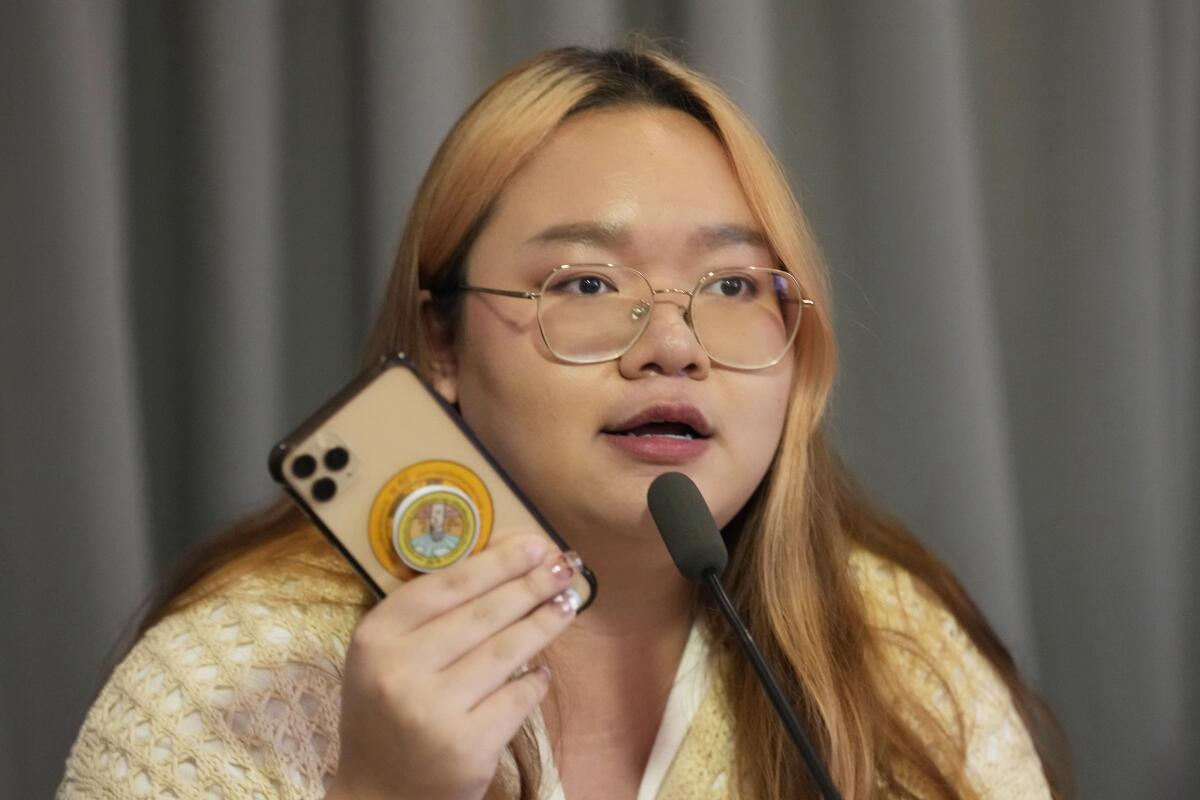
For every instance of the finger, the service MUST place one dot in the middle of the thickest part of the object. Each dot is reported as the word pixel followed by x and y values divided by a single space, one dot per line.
pixel 447 638
pixel 501 714
pixel 488 667
pixel 417 601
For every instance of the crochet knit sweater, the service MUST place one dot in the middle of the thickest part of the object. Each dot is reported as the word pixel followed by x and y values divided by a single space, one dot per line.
pixel 238 696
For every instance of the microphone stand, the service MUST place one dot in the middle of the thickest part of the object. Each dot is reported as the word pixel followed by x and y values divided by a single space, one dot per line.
pixel 828 790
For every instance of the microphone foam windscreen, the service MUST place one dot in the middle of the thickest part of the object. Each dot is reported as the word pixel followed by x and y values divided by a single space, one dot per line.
pixel 686 525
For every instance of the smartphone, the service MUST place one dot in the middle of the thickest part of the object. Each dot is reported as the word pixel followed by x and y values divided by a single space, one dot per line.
pixel 391 474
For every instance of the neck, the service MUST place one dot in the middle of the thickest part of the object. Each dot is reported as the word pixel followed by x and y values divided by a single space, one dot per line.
pixel 643 605
pixel 604 697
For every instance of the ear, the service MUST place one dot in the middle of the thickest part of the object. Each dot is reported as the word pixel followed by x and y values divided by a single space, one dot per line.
pixel 440 339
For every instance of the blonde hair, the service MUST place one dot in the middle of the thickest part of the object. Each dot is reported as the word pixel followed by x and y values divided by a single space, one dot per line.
pixel 788 542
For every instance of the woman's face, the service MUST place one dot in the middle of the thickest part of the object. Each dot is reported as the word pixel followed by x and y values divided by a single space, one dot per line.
pixel 650 189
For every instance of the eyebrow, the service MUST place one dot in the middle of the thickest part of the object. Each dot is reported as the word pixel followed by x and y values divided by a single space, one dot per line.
pixel 710 237
pixel 595 233
pixel 603 234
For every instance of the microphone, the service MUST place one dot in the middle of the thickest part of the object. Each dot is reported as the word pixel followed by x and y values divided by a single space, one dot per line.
pixel 691 536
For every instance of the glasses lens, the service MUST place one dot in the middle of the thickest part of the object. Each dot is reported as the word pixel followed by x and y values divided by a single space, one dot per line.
pixel 747 317
pixel 593 313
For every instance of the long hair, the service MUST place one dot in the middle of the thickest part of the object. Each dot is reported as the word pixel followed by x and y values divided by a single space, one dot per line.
pixel 789 544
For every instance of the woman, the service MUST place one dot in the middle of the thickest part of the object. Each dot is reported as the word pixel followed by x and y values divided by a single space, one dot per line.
pixel 265 670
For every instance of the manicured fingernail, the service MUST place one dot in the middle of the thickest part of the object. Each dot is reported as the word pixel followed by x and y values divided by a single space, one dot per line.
pixel 565 566
pixel 566 602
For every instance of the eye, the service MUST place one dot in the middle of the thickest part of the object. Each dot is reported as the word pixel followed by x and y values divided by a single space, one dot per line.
pixel 734 286
pixel 584 285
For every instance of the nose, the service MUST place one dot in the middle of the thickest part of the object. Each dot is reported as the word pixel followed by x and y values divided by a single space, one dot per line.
pixel 667 346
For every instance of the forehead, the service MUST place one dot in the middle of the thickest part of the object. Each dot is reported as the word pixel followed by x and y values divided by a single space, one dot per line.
pixel 647 170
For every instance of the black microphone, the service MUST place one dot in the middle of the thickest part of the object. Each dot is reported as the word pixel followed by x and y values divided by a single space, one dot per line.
pixel 690 533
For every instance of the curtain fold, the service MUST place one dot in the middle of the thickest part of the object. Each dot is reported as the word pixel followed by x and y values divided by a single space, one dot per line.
pixel 921 355
pixel 232 266
pixel 201 202
pixel 76 547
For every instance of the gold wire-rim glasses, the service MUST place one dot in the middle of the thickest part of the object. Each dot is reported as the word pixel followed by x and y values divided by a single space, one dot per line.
pixel 537 295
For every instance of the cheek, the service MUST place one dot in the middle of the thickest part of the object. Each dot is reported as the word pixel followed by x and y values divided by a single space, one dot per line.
pixel 496 393
pixel 760 410
pixel 530 420
pixel 507 390
pixel 763 406
pixel 763 439
pixel 492 348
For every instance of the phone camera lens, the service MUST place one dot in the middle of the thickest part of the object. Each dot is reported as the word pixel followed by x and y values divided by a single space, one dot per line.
pixel 324 489
pixel 337 458
pixel 304 466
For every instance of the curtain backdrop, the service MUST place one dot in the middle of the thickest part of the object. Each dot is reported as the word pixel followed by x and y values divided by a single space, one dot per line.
pixel 200 201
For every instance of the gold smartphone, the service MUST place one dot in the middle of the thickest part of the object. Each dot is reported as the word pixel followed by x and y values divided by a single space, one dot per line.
pixel 399 484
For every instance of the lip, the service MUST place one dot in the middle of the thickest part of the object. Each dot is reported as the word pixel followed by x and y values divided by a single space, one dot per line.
pixel 658 449
pixel 662 449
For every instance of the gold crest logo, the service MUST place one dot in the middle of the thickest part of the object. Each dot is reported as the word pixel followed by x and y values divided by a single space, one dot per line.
pixel 429 516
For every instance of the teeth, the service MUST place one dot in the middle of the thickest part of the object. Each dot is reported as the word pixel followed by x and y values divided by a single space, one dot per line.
pixel 686 436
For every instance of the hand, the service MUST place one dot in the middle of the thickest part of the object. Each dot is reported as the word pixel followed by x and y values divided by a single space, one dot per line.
pixel 428 705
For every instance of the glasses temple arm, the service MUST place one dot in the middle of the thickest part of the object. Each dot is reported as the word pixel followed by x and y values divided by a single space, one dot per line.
pixel 502 292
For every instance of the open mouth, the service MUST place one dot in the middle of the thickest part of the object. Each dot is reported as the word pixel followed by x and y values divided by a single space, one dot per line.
pixel 663 433
pixel 671 430
pixel 666 421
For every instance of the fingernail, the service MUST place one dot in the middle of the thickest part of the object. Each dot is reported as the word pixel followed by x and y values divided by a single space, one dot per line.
pixel 566 602
pixel 565 565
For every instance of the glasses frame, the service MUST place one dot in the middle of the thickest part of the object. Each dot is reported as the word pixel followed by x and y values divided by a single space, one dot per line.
pixel 537 294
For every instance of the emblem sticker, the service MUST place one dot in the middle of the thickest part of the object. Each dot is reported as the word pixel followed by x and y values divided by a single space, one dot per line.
pixel 429 516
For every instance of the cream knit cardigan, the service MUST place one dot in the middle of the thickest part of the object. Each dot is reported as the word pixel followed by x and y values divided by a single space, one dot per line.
pixel 238 697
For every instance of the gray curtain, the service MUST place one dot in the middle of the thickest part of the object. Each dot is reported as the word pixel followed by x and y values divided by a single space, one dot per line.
pixel 198 203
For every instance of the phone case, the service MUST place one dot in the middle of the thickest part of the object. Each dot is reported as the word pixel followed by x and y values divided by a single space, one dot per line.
pixel 394 478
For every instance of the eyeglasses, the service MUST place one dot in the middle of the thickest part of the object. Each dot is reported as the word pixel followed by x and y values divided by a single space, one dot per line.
pixel 743 317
